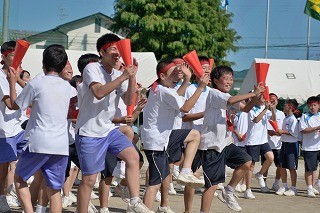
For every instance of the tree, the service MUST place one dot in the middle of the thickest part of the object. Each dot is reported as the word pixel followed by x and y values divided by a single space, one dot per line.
pixel 171 28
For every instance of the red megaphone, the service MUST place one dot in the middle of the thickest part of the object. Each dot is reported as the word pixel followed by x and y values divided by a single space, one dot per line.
pixel 211 63
pixel 19 52
pixel 192 59
pixel 261 72
pixel 266 94
pixel 274 125
pixel 124 47
pixel 130 107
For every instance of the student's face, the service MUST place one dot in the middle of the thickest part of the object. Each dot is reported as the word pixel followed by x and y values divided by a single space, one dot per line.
pixel 110 56
pixel 169 78
pixel 314 107
pixel 206 69
pixel 8 59
pixel 67 72
pixel 224 83
pixel 286 108
pixel 26 77
pixel 274 100
pixel 177 73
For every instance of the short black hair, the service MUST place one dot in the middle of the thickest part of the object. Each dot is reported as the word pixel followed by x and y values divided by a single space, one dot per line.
pixel 219 71
pixel 23 72
pixel 313 99
pixel 203 58
pixel 54 58
pixel 86 59
pixel 273 95
pixel 161 65
pixel 105 39
pixel 9 45
pixel 293 103
pixel 74 80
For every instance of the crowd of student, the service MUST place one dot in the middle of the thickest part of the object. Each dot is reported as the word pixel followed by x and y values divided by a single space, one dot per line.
pixel 192 129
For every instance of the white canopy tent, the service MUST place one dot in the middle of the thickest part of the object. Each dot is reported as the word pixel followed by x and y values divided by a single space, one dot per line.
pixel 297 79
pixel 146 74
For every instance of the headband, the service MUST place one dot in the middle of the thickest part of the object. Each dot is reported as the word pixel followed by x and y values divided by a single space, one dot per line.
pixel 167 67
pixel 178 61
pixel 107 45
pixel 204 62
pixel 5 53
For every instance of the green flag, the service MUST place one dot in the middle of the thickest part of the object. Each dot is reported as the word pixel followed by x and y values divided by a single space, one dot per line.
pixel 313 9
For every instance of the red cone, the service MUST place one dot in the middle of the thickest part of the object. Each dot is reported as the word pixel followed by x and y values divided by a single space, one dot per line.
pixel 211 62
pixel 19 52
pixel 261 72
pixel 274 124
pixel 124 47
pixel 130 107
pixel 192 59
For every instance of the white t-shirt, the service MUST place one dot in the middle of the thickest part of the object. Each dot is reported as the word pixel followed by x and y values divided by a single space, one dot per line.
pixel 274 141
pixel 215 133
pixel 241 124
pixel 121 111
pixel 290 123
pixel 178 118
pixel 159 117
pixel 95 116
pixel 9 119
pixel 310 141
pixel 199 106
pixel 46 130
pixel 257 133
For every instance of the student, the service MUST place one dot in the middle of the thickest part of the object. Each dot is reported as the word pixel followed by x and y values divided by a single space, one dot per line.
pixel 25 76
pixel 96 134
pixel 274 142
pixel 11 133
pixel 310 127
pixel 257 144
pixel 46 133
pixel 289 132
pixel 216 138
pixel 158 136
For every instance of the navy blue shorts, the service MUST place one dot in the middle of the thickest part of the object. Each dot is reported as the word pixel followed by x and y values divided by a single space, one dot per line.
pixel 175 145
pixel 256 150
pixel 158 166
pixel 311 160
pixel 214 163
pixel 289 155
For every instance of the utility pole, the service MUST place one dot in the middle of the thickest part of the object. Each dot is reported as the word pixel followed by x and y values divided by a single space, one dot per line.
pixel 5 20
pixel 267 30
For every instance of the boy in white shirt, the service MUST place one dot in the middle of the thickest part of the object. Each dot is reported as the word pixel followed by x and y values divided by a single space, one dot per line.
pixel 46 133
pixel 158 135
pixel 102 86
pixel 11 133
pixel 216 138
pixel 310 128
pixel 289 132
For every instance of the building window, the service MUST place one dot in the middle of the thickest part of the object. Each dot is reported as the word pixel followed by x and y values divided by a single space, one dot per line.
pixel 290 76
pixel 97 26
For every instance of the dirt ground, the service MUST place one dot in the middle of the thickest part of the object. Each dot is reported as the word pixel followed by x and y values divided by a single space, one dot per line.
pixel 264 202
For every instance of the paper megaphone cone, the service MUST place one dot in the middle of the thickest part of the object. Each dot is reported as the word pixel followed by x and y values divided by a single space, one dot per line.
pixel 192 59
pixel 130 107
pixel 211 63
pixel 261 72
pixel 274 125
pixel 19 52
pixel 124 47
pixel 266 94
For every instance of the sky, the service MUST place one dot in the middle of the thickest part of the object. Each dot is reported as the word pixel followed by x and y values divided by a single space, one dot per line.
pixel 287 24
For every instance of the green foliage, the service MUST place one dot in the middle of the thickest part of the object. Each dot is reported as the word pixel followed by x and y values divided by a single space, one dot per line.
pixel 171 28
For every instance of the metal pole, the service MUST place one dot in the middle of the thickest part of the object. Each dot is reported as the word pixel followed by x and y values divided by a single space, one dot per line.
pixel 308 38
pixel 5 20
pixel 267 30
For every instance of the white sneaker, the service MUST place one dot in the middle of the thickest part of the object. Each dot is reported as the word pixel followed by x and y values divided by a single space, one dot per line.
pixel 243 187
pixel 66 201
pixel 265 189
pixel 275 187
pixel 281 191
pixel 72 197
pixel 238 188
pixel 172 191
pixel 123 192
pixel 4 207
pixel 138 207
pixel 220 186
pixel 315 191
pixel 248 194
pixel 175 174
pixel 188 179
pixel 164 210
pixel 158 196
pixel 12 201
pixel 291 192
pixel 92 208
pixel 310 193
pixel 219 196
pixel 180 187
pixel 120 170
pixel 231 201
pixel 260 179
pixel 104 210
pixel 93 196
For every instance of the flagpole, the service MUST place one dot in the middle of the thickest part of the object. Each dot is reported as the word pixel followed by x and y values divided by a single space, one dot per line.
pixel 308 37
pixel 267 30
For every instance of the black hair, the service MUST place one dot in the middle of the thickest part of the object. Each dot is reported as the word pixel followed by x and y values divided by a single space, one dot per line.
pixel 313 99
pixel 105 39
pixel 54 58
pixel 161 65
pixel 9 45
pixel 86 59
pixel 23 72
pixel 74 80
pixel 219 71
pixel 294 104
pixel 203 58
pixel 273 95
